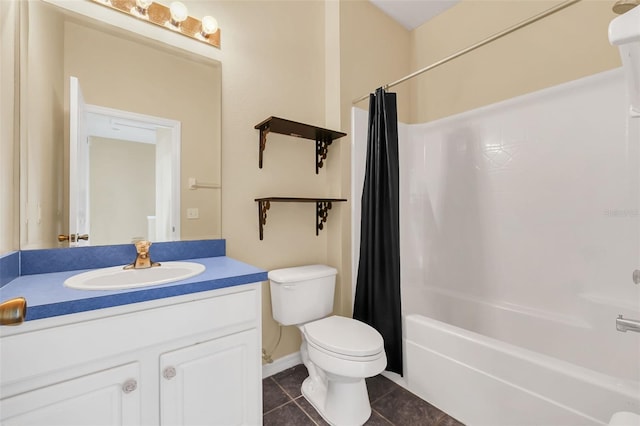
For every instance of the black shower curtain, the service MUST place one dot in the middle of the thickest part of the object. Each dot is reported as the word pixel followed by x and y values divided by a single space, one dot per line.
pixel 377 300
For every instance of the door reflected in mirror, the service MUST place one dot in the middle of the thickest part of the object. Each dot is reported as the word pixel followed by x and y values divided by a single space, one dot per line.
pixel 125 192
pixel 119 71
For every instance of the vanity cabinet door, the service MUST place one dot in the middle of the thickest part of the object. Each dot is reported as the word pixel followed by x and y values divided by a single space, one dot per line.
pixel 108 397
pixel 212 383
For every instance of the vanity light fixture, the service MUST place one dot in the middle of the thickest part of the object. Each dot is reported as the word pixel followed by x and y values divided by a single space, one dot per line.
pixel 174 17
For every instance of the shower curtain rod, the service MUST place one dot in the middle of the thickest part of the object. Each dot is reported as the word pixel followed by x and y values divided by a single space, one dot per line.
pixel 487 40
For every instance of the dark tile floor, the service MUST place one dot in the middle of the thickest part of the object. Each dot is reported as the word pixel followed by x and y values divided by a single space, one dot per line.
pixel 283 405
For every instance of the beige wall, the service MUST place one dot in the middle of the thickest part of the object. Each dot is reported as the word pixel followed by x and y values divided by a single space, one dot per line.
pixel 374 50
pixel 9 134
pixel 273 64
pixel 42 111
pixel 563 47
pixel 116 215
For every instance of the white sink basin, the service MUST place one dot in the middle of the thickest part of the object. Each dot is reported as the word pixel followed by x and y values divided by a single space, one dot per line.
pixel 116 278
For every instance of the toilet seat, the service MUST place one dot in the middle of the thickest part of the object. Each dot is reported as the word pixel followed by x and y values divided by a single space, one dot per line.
pixel 345 338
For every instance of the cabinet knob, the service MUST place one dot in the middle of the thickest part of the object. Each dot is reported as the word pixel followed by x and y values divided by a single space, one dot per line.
pixel 129 386
pixel 169 373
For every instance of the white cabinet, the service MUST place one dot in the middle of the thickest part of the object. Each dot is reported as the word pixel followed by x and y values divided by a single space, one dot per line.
pixel 186 360
pixel 107 397
pixel 209 383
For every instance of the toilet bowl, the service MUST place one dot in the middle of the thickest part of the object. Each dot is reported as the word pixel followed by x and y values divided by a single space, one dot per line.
pixel 339 352
pixel 346 351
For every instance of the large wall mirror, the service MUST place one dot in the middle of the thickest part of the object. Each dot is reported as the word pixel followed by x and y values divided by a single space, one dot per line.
pixel 165 106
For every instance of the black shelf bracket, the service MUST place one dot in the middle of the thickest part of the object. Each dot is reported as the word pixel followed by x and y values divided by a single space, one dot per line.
pixel 263 206
pixel 322 147
pixel 322 211
pixel 262 142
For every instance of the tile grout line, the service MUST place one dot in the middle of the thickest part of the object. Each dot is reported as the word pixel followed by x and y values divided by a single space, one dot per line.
pixel 274 409
pixel 305 411
pixel 285 393
pixel 375 411
pixel 284 390
pixel 382 396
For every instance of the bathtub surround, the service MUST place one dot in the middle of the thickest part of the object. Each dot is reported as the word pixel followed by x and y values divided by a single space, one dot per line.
pixel 519 223
pixel 377 297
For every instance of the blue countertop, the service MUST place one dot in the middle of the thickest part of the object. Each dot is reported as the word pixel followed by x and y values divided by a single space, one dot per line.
pixel 47 296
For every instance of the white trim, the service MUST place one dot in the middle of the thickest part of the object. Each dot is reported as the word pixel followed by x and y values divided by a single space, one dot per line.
pixel 281 364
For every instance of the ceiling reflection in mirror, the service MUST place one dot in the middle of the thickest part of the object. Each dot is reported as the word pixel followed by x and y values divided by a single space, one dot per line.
pixel 117 70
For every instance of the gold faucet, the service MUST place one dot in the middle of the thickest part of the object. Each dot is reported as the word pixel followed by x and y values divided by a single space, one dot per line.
pixel 143 260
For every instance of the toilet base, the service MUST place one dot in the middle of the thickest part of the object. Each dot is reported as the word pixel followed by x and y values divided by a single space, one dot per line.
pixel 341 402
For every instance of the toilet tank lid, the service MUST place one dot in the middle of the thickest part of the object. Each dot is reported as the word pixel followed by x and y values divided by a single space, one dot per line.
pixel 625 28
pixel 301 273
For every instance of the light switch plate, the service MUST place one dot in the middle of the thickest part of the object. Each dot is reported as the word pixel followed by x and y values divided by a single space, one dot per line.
pixel 193 213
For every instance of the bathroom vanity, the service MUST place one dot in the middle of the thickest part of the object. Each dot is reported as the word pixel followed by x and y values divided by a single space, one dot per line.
pixel 184 353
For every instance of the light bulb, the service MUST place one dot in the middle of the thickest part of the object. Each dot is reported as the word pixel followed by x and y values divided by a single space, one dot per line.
pixel 140 9
pixel 209 25
pixel 144 4
pixel 178 12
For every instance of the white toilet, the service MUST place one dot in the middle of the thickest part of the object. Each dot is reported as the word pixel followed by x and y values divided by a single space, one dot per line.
pixel 339 352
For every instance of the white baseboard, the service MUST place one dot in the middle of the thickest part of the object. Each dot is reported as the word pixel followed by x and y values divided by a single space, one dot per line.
pixel 281 364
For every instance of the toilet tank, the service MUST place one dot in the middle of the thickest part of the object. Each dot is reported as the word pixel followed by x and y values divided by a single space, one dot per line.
pixel 302 294
pixel 624 32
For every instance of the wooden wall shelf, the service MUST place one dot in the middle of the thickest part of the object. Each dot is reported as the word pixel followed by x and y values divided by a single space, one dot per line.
pixel 323 137
pixel 323 205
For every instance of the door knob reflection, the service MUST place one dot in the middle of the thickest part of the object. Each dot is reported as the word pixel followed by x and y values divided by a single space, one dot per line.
pixel 73 237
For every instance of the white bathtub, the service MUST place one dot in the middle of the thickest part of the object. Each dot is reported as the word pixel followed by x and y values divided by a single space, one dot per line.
pixel 587 338
pixel 484 381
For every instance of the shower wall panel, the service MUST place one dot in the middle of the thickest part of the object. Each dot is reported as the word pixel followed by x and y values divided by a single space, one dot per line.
pixel 524 212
